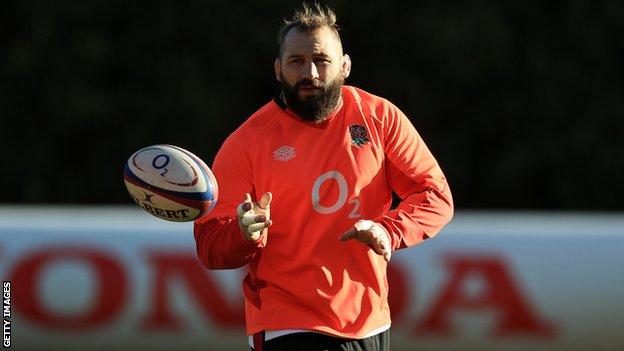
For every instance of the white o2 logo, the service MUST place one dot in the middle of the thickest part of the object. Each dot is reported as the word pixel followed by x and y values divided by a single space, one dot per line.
pixel 342 197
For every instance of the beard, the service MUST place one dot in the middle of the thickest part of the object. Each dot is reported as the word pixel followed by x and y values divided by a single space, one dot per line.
pixel 313 108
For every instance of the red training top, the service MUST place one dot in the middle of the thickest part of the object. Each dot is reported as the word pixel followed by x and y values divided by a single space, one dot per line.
pixel 324 177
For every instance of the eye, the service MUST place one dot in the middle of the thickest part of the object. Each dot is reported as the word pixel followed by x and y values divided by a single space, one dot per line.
pixel 297 61
pixel 322 61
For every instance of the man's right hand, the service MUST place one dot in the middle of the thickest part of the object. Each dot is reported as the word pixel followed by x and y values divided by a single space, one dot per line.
pixel 254 218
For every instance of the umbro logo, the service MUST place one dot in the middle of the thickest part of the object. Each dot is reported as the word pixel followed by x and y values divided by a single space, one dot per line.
pixel 284 153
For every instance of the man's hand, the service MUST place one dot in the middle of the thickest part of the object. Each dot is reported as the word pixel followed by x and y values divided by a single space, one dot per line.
pixel 254 218
pixel 371 234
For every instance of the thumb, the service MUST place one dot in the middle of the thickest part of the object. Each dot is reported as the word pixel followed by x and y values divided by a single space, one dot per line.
pixel 265 200
pixel 350 234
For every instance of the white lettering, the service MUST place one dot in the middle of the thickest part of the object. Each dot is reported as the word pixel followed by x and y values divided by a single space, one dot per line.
pixel 316 195
pixel 356 206
pixel 7 334
pixel 6 299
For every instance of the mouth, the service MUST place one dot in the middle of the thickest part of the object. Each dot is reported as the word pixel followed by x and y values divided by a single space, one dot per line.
pixel 309 89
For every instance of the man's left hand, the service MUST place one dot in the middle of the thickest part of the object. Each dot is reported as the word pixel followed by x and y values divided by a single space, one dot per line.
pixel 372 234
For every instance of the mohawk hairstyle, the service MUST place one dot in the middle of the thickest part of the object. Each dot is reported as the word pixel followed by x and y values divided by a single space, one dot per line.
pixel 309 18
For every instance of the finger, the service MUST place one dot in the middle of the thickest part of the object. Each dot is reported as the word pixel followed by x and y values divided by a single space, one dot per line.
pixel 243 209
pixel 245 206
pixel 269 223
pixel 265 200
pixel 256 227
pixel 384 248
pixel 385 251
pixel 350 234
pixel 250 218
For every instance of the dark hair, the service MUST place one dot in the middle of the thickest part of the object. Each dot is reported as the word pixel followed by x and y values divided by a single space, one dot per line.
pixel 309 18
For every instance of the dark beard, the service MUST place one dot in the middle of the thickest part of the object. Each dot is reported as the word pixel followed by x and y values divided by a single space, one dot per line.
pixel 313 108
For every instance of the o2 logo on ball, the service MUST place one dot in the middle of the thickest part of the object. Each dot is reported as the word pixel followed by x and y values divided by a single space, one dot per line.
pixel 182 170
pixel 170 183
pixel 164 164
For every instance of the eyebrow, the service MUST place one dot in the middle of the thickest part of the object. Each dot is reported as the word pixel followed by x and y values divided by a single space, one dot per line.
pixel 320 55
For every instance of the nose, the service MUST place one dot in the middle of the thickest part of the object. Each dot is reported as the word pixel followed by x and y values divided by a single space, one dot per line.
pixel 310 71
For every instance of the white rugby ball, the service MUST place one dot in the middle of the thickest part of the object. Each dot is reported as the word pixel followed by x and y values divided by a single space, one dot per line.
pixel 171 183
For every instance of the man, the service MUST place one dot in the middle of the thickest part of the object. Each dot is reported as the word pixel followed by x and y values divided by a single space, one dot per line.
pixel 305 188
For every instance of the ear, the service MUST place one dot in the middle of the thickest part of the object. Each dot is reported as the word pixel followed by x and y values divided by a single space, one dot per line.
pixel 345 68
pixel 277 66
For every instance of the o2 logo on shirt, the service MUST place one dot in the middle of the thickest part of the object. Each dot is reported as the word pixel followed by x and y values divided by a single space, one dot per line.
pixel 342 197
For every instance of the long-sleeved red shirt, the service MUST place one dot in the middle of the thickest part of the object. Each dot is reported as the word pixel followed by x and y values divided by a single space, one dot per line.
pixel 324 177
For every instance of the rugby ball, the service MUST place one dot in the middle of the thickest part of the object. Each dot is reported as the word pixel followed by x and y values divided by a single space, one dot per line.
pixel 170 183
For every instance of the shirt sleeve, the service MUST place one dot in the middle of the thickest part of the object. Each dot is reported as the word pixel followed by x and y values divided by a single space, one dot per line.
pixel 220 243
pixel 415 176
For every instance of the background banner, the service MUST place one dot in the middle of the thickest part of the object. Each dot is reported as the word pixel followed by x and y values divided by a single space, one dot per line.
pixel 115 278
